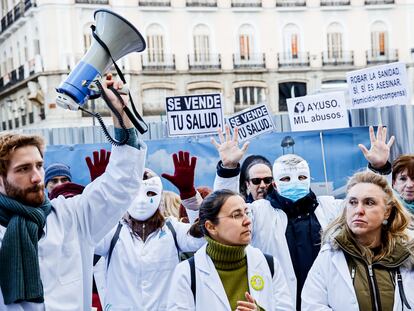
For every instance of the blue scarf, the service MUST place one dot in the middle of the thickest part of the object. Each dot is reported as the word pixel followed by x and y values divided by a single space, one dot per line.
pixel 408 205
pixel 19 261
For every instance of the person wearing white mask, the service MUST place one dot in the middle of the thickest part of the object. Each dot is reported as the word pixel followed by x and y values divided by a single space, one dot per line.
pixel 140 264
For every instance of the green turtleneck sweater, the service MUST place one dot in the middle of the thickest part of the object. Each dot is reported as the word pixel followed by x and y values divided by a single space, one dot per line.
pixel 231 265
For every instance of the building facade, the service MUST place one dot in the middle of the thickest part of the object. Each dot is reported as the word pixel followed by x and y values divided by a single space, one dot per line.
pixel 251 51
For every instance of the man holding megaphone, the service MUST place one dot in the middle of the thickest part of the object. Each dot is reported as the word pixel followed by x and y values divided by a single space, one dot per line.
pixel 46 247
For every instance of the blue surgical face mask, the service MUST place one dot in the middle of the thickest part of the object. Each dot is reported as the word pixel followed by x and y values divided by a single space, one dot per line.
pixel 293 190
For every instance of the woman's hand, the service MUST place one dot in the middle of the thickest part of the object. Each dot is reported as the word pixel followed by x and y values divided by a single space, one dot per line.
pixel 379 152
pixel 228 148
pixel 249 305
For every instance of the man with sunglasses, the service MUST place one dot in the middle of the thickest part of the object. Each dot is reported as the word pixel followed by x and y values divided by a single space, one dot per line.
pixel 257 181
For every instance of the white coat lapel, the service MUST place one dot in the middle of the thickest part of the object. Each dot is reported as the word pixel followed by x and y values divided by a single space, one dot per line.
pixel 209 276
pixel 258 277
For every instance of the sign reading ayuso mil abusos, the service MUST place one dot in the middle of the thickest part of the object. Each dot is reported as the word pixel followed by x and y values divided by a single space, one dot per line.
pixel 252 122
pixel 194 114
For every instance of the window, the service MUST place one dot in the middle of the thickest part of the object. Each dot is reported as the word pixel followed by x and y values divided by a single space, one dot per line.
pixel 87 37
pixel 154 100
pixel 246 42
pixel 334 40
pixel 290 90
pixel 204 91
pixel 248 96
pixel 26 51
pixel 291 41
pixel 201 41
pixel 155 44
pixel 379 39
pixel 36 43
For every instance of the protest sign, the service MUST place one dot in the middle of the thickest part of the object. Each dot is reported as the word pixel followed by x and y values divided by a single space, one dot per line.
pixel 379 86
pixel 194 114
pixel 318 112
pixel 252 122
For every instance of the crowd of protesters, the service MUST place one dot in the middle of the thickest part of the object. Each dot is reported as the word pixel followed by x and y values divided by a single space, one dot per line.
pixel 261 239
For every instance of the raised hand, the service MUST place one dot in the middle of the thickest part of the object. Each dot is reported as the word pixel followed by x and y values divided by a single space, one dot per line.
pixel 228 148
pixel 249 305
pixel 184 171
pixel 99 164
pixel 379 152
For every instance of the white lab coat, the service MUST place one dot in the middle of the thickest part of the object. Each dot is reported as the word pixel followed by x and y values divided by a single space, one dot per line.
pixel 329 284
pixel 139 273
pixel 269 226
pixel 75 226
pixel 210 293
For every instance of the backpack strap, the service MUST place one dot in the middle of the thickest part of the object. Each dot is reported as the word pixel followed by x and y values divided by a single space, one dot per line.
pixel 174 233
pixel 271 263
pixel 401 289
pixel 113 242
pixel 193 277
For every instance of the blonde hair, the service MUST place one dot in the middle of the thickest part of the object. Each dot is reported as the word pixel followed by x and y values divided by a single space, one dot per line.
pixel 170 204
pixel 392 233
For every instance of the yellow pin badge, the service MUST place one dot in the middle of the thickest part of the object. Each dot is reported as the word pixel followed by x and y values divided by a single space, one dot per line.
pixel 257 282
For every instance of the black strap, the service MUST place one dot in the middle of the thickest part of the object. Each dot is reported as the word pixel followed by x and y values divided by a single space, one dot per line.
pixel 271 264
pixel 111 246
pixel 193 277
pixel 401 290
pixel 172 229
pixel 135 118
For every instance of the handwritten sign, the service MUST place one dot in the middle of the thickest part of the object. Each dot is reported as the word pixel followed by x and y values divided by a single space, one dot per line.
pixel 378 86
pixel 318 112
pixel 194 115
pixel 252 122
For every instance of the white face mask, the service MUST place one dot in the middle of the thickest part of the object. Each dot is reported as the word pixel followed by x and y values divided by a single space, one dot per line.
pixel 294 189
pixel 146 204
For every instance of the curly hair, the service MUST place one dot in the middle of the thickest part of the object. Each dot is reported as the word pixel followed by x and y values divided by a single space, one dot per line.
pixel 9 142
pixel 393 232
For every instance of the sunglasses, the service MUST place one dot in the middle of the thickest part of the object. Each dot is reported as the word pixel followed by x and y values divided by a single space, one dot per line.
pixel 257 181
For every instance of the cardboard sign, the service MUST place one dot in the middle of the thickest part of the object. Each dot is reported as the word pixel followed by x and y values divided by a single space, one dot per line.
pixel 379 86
pixel 318 112
pixel 194 114
pixel 252 122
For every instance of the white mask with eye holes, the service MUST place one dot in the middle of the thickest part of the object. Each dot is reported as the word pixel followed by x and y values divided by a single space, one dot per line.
pixel 148 199
pixel 292 182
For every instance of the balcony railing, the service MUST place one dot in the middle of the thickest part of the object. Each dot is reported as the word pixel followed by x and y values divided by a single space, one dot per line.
pixel 381 57
pixel 201 3
pixel 13 15
pixel 28 4
pixel 20 71
pixel 9 18
pixel 154 3
pixel 335 2
pixel 17 10
pixel 92 1
pixel 375 2
pixel 13 76
pixel 251 61
pixel 286 60
pixel 158 62
pixel 338 58
pixel 204 62
pixel 290 3
pixel 246 3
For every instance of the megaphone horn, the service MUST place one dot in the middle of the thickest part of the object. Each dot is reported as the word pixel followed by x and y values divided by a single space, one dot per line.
pixel 114 37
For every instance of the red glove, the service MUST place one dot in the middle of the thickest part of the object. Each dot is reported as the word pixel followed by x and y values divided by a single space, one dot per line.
pixel 98 167
pixel 183 177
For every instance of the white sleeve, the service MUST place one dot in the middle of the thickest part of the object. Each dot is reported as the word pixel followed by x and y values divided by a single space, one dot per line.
pixel 186 242
pixel 102 248
pixel 315 292
pixel 104 201
pixel 192 205
pixel 282 297
pixel 180 296
pixel 231 183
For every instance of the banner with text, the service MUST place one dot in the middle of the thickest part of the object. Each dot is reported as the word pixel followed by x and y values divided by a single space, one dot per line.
pixel 194 114
pixel 252 122
pixel 379 86
pixel 318 112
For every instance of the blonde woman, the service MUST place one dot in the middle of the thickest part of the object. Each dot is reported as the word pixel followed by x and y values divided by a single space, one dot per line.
pixel 366 261
pixel 170 204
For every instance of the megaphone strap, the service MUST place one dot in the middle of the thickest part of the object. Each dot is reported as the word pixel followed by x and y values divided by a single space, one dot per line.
pixel 135 118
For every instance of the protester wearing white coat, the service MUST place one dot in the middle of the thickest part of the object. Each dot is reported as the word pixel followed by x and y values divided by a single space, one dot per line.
pixel 210 294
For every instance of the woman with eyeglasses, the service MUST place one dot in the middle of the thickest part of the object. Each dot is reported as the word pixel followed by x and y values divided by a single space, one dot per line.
pixel 367 259
pixel 228 274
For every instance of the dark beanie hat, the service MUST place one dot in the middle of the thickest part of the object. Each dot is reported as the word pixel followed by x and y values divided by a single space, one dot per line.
pixel 68 190
pixel 57 169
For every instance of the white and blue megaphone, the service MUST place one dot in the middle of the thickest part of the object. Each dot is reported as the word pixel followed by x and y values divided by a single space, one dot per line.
pixel 120 38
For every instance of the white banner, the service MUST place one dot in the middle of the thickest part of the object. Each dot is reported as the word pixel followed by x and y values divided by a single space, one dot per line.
pixel 379 86
pixel 318 112
pixel 194 115
pixel 252 122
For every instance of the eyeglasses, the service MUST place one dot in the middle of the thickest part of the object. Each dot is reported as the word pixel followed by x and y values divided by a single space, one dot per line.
pixel 258 181
pixel 238 215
